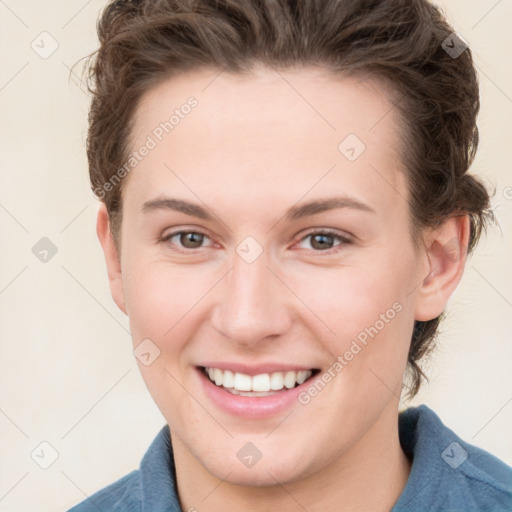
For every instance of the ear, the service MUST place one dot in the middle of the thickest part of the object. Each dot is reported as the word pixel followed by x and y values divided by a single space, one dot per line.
pixel 111 257
pixel 446 248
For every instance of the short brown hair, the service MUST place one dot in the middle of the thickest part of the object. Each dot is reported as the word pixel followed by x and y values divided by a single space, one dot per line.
pixel 400 42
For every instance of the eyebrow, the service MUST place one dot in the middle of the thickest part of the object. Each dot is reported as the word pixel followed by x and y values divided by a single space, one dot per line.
pixel 294 213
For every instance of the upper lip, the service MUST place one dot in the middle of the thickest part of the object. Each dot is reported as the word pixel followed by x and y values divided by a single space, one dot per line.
pixel 256 369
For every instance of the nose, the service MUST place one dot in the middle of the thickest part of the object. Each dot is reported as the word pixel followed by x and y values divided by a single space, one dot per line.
pixel 254 305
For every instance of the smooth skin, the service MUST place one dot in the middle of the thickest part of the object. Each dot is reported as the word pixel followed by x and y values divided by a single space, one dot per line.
pixel 255 146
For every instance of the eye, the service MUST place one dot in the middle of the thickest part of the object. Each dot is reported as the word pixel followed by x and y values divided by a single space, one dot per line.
pixel 320 240
pixel 186 239
pixel 323 240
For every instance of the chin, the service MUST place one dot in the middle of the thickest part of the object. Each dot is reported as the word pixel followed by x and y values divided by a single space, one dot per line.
pixel 262 474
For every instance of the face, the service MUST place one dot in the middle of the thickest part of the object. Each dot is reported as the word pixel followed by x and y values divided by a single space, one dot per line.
pixel 262 240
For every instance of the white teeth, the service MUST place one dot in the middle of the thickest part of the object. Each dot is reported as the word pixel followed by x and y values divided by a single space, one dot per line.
pixel 277 381
pixel 289 379
pixel 217 375
pixel 261 382
pixel 245 385
pixel 228 380
pixel 242 382
pixel 302 376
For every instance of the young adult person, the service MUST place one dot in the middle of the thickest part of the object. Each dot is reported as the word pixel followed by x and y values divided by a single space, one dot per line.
pixel 285 211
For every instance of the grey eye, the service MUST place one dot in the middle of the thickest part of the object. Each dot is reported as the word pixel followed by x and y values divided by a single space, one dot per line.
pixel 190 239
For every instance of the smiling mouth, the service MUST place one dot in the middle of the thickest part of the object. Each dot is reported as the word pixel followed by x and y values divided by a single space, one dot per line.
pixel 264 384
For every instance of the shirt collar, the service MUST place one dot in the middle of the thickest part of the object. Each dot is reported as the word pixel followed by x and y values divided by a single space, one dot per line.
pixel 158 476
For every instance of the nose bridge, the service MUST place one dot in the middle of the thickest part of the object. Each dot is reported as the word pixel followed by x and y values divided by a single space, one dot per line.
pixel 253 302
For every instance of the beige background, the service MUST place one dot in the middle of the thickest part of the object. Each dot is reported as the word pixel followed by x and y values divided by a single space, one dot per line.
pixel 67 374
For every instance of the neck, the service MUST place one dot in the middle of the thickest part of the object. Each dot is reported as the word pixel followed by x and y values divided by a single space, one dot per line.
pixel 371 476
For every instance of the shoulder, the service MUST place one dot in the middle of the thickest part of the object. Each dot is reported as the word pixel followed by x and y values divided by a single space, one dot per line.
pixel 120 496
pixel 448 473
pixel 151 487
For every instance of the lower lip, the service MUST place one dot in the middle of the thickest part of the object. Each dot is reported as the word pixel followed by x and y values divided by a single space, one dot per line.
pixel 252 407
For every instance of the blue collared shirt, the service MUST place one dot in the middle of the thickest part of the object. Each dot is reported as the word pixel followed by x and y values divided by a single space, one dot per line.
pixel 447 474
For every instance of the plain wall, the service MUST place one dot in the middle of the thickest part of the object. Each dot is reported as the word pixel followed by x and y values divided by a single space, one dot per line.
pixel 67 373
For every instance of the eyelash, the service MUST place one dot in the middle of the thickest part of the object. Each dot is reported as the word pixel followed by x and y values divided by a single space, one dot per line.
pixel 329 232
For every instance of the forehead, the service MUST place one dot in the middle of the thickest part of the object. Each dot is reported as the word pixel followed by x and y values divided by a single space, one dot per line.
pixel 270 129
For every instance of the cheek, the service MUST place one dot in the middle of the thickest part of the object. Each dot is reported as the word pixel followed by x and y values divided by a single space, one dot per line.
pixel 163 304
pixel 161 298
pixel 346 300
pixel 362 316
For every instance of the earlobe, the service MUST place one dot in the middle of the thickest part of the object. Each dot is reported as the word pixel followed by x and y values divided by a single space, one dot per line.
pixel 446 252
pixel 112 258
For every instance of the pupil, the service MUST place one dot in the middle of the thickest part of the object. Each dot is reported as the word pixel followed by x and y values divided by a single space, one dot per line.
pixel 191 240
pixel 322 239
